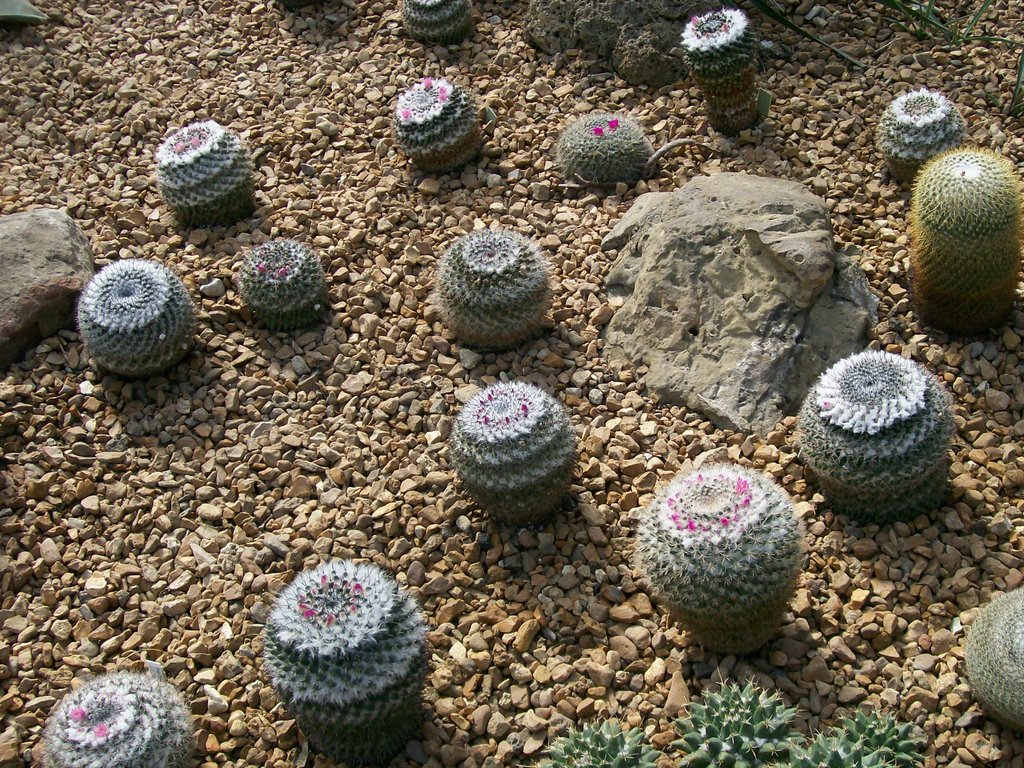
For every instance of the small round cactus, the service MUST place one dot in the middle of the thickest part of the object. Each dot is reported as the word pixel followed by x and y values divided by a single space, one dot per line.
pixel 995 658
pixel 866 741
pixel 722 547
pixel 345 647
pixel 438 21
pixel 120 720
pixel 876 430
pixel 282 282
pixel 514 451
pixel 965 227
pixel 604 148
pixel 493 288
pixel 136 318
pixel 601 746
pixel 205 174
pixel 437 124
pixel 721 51
pixel 915 127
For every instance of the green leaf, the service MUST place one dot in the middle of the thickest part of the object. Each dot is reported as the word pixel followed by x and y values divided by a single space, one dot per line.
pixel 489 116
pixel 1017 104
pixel 764 102
pixel 20 12
pixel 768 8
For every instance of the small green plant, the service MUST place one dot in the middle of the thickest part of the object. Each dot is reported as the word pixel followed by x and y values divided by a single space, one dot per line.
pixel 282 282
pixel 917 126
pixel 438 21
pixel 437 124
pixel 995 658
pixel 866 741
pixel 601 746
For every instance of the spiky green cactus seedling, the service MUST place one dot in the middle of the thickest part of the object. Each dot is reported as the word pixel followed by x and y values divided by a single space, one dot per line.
pixel 865 741
pixel 438 21
pixel 604 148
pixel 136 318
pixel 120 720
pixel 995 658
pixel 601 746
pixel 437 124
pixel 876 431
pixel 915 127
pixel 282 282
pixel 345 647
pixel 722 547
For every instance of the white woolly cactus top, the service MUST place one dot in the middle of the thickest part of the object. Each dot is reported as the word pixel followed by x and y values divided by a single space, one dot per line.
pixel 186 144
pixel 716 29
pixel 504 411
pixel 424 101
pixel 870 391
pixel 127 295
pixel 920 108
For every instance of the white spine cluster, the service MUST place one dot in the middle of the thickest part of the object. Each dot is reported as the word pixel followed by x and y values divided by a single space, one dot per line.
pixel 918 125
pixel 714 30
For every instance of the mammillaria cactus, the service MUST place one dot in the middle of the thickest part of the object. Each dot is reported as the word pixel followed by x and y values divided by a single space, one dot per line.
pixel 965 226
pixel 136 318
pixel 865 741
pixel 721 51
pixel 346 650
pixel 205 174
pixel 120 720
pixel 438 21
pixel 437 124
pixel 604 148
pixel 514 450
pixel 493 288
pixel 915 127
pixel 601 746
pixel 282 282
pixel 722 547
pixel 876 430
pixel 995 658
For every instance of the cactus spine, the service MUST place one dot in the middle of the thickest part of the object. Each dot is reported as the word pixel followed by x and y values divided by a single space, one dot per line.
pixel 601 746
pixel 995 658
pixel 915 127
pixel 438 21
pixel 437 124
pixel 604 148
pixel 282 282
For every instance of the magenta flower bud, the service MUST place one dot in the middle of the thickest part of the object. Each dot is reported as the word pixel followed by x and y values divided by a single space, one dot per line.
pixel 613 124
pixel 406 114
pixel 77 714
pixel 428 82
pixel 598 130
pixel 101 731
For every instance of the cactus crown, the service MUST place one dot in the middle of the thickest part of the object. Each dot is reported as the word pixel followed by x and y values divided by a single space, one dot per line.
pixel 604 148
pixel 601 746
pixel 504 413
pixel 425 101
pixel 715 31
pixel 968 193
pixel 283 284
pixel 920 124
pixel 437 124
pixel 185 146
pixel 867 741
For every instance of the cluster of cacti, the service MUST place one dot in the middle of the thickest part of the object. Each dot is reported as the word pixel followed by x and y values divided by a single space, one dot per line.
pixel 493 288
pixel 437 124
pixel 514 451
pixel 604 148
pixel 282 283
pixel 601 746
pixel 995 658
pixel 876 429
pixel 438 21
pixel 205 174
pixel 965 226
pixel 345 647
pixel 866 741
pixel 136 318
pixel 120 720
pixel 915 127
pixel 721 50
pixel 722 547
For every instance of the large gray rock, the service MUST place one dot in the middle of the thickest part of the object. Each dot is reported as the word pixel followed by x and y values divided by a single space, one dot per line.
pixel 46 262
pixel 734 296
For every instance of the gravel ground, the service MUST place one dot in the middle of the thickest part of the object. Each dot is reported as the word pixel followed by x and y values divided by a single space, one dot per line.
pixel 155 520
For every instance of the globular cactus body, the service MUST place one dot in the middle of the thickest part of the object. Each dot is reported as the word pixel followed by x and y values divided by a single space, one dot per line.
pixel 865 741
pixel 876 429
pixel 915 127
pixel 995 658
pixel 345 647
pixel 722 547
pixel 514 451
pixel 437 124
pixel 604 148
pixel 438 21
pixel 282 282
pixel 601 746
pixel 136 318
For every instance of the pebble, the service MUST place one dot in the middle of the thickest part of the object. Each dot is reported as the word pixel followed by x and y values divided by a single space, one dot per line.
pixel 214 289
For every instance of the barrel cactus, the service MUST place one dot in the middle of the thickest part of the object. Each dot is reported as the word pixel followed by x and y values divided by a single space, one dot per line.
pixel 120 720
pixel 437 123
pixel 995 658
pixel 965 226
pixel 514 451
pixel 866 741
pixel 721 50
pixel 345 647
pixel 493 288
pixel 282 282
pixel 136 318
pixel 205 174
pixel 915 127
pixel 722 547
pixel 876 429
pixel 604 148
pixel 438 21
pixel 601 746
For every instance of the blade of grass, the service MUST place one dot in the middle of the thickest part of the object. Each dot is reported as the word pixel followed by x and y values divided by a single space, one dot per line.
pixel 1017 104
pixel 769 10
pixel 975 19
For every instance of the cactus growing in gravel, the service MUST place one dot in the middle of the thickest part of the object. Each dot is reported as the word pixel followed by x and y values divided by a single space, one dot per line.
pixel 915 127
pixel 866 741
pixel 136 318
pixel 876 430
pixel 437 124
pixel 282 282
pixel 722 547
pixel 493 288
pixel 604 148
pixel 120 720
pixel 721 51
pixel 965 226
pixel 438 21
pixel 601 746
pixel 995 658
pixel 514 450
pixel 205 174
pixel 345 647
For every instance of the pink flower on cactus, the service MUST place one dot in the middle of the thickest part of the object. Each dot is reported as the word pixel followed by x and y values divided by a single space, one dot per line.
pixel 309 613
pixel 282 271
pixel 406 114
pixel 357 588
pixel 613 124
pixel 442 94
pixel 428 82
pixel 261 268
pixel 742 485
pixel 101 731
pixel 78 714
pixel 598 130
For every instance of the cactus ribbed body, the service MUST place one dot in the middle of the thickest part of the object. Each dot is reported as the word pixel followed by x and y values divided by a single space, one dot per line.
pixel 601 746
pixel 282 282
pixel 865 741
pixel 438 125
pixel 120 720
pixel 205 174
pixel 915 127
pixel 721 51
pixel 604 148
pixel 493 288
pixel 438 21
pixel 722 547
pixel 345 647
pixel 514 451
pixel 965 225
pixel 876 430
pixel 995 658
pixel 136 318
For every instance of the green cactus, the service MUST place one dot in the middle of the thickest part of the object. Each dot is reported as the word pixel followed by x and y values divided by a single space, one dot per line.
pixel 876 430
pixel 866 741
pixel 282 282
pixel 604 148
pixel 915 127
pixel 437 124
pixel 601 746
pixel 995 658
pixel 438 21
pixel 965 226
pixel 722 546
